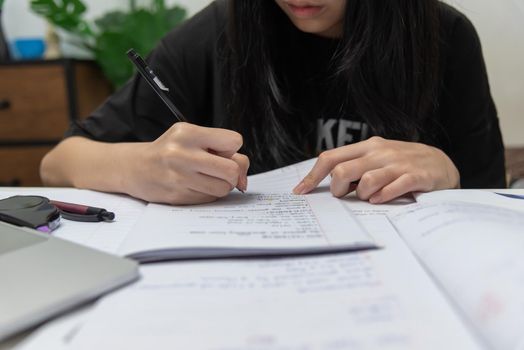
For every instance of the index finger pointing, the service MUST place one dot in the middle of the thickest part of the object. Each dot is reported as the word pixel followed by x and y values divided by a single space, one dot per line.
pixel 323 166
pixel 326 162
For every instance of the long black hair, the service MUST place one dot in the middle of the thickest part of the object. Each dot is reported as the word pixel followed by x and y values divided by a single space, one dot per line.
pixel 386 64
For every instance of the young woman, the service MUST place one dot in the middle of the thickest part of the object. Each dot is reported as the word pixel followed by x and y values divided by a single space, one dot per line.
pixel 392 93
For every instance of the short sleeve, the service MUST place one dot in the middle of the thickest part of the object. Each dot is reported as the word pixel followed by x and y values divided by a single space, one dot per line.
pixel 467 111
pixel 184 61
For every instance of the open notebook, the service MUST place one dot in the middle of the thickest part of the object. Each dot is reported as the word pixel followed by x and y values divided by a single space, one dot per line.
pixel 450 276
pixel 472 244
pixel 267 220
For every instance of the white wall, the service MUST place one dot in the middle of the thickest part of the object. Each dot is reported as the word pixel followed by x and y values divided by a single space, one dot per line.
pixel 500 24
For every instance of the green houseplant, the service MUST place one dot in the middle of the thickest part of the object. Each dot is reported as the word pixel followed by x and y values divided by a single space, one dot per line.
pixel 110 36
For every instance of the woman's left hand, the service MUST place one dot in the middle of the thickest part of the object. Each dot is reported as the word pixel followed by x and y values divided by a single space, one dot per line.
pixel 384 169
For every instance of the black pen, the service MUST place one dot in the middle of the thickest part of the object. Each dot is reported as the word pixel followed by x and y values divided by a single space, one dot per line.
pixel 79 212
pixel 153 81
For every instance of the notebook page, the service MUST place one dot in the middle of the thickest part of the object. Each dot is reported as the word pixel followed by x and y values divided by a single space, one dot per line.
pixel 378 299
pixel 502 198
pixel 250 220
pixel 282 180
pixel 475 251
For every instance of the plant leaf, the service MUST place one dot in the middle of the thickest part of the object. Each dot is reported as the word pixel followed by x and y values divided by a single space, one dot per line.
pixel 140 29
pixel 66 14
pixel 111 21
pixel 115 32
pixel 110 53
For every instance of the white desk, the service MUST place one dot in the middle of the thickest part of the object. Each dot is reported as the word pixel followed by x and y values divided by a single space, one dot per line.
pixel 395 266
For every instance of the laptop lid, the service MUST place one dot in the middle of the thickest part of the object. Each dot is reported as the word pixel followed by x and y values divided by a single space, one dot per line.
pixel 42 276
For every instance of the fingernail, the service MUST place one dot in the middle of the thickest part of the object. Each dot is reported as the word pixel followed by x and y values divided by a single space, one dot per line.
pixel 244 183
pixel 375 199
pixel 241 186
pixel 300 188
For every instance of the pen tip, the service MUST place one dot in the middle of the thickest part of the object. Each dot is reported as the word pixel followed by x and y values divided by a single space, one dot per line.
pixel 107 216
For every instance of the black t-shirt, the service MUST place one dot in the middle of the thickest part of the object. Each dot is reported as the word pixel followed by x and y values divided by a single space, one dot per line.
pixel 187 60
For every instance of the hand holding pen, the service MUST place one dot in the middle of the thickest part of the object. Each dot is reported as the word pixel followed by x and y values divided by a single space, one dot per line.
pixel 188 164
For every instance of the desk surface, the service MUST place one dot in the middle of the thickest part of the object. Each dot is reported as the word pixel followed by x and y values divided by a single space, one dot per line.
pixel 396 263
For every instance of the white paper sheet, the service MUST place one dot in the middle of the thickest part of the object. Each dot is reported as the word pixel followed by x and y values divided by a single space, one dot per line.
pixel 405 310
pixel 476 252
pixel 510 199
pixel 267 217
pixel 374 300
pixel 267 222
pixel 283 180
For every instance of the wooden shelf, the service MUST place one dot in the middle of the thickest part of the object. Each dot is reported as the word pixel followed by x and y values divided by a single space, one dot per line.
pixel 38 101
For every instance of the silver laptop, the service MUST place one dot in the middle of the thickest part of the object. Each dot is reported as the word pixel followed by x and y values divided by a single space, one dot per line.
pixel 42 276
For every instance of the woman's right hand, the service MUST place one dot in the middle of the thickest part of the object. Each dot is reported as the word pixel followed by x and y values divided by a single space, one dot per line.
pixel 188 164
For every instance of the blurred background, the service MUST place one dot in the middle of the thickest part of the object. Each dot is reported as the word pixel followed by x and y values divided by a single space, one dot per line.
pixel 82 85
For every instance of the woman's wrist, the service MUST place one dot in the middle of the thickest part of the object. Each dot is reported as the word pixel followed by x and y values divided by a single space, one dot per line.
pixel 98 165
pixel 124 165
pixel 452 180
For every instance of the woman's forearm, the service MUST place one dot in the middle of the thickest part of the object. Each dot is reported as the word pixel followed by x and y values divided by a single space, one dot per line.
pixel 84 163
pixel 176 168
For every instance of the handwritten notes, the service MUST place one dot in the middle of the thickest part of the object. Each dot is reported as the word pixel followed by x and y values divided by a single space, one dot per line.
pixel 265 216
pixel 246 224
